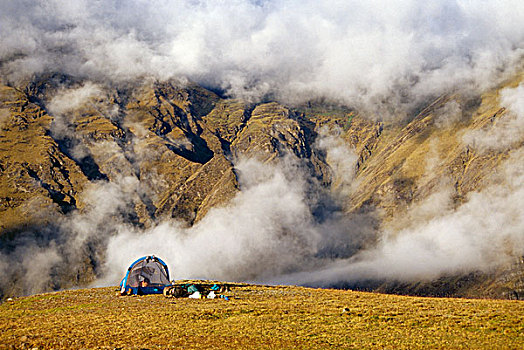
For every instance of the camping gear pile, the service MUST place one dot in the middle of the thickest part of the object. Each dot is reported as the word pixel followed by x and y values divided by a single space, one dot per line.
pixel 150 275
pixel 196 291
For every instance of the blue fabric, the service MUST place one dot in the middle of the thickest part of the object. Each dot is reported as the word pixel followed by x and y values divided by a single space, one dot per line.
pixel 144 290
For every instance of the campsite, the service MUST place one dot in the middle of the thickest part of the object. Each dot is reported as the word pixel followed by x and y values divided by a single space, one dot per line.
pixel 258 317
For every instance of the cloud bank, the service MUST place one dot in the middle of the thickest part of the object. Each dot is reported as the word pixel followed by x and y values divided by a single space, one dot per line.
pixel 480 235
pixel 267 230
pixel 375 53
pixel 269 234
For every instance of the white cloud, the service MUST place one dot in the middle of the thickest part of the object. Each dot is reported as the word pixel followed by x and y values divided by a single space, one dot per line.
pixel 507 130
pixel 67 100
pixel 267 229
pixel 359 52
pixel 481 234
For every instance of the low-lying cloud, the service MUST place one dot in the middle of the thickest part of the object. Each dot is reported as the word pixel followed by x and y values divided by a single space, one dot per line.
pixel 268 233
pixel 505 131
pixel 268 229
pixel 480 235
pixel 57 255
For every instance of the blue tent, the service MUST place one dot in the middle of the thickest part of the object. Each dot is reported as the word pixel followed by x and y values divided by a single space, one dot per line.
pixel 147 275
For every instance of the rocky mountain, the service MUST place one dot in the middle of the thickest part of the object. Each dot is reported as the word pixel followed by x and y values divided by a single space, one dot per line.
pixel 177 141
pixel 171 149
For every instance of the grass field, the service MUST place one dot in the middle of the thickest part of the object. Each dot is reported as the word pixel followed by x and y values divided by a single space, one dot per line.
pixel 259 317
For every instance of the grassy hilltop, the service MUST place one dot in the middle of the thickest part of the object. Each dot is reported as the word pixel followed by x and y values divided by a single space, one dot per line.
pixel 279 317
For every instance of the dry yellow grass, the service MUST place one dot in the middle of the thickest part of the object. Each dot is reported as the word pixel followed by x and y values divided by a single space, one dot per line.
pixel 259 317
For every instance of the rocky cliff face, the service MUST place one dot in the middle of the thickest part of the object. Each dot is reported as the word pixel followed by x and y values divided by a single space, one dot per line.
pixel 173 146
